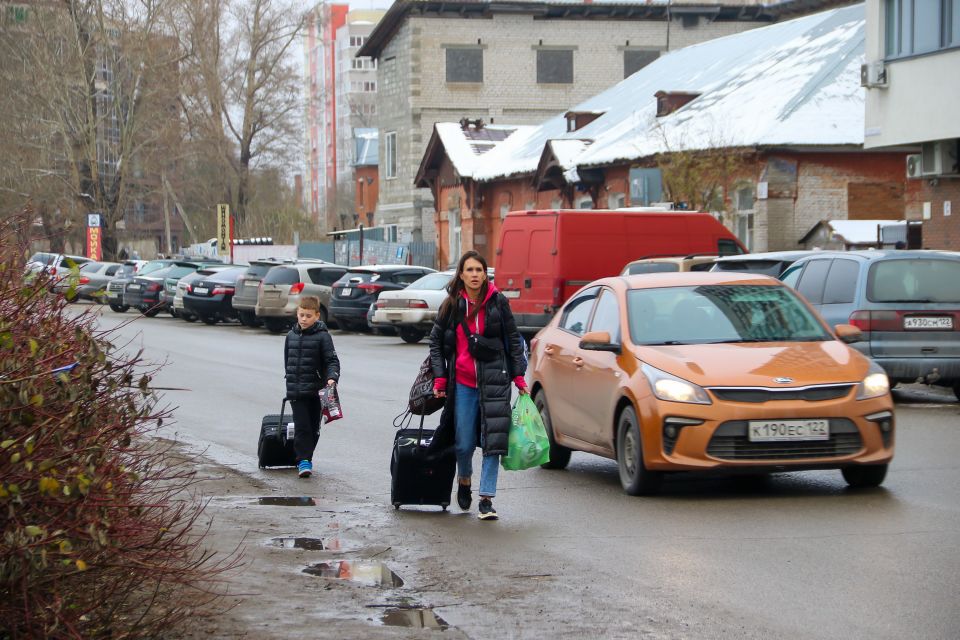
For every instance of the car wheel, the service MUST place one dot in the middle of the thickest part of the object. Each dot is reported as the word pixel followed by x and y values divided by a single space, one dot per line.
pixel 189 317
pixel 119 308
pixel 864 476
pixel 150 312
pixel 635 478
pixel 559 454
pixel 956 390
pixel 411 336
pixel 323 315
pixel 275 325
pixel 211 320
pixel 248 318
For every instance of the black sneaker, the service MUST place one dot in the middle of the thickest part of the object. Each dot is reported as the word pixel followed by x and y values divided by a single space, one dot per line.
pixel 463 496
pixel 487 512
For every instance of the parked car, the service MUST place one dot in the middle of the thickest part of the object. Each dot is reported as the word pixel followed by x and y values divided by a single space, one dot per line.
pixel 768 263
pixel 248 287
pixel 209 297
pixel 906 303
pixel 179 311
pixel 545 256
pixel 89 283
pixel 146 292
pixel 123 277
pixel 708 371
pixel 361 286
pixel 669 264
pixel 283 285
pixel 54 266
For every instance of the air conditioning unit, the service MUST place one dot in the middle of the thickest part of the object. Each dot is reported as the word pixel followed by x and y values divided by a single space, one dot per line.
pixel 873 75
pixel 914 168
pixel 939 158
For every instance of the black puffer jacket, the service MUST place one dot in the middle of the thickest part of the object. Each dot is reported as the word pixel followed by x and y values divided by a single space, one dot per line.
pixel 493 378
pixel 309 360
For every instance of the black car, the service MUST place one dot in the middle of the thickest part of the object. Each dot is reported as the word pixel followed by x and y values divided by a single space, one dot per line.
pixel 359 287
pixel 127 272
pixel 144 292
pixel 210 298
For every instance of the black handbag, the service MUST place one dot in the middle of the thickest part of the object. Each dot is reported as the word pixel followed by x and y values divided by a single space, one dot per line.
pixel 422 401
pixel 482 348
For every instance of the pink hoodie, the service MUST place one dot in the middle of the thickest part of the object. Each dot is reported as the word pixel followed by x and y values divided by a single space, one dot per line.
pixel 466 366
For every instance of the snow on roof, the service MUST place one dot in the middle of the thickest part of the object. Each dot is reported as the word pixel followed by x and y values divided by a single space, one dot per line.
pixel 465 147
pixel 791 83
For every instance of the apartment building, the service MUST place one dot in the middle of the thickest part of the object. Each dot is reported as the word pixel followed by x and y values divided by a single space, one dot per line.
pixel 911 75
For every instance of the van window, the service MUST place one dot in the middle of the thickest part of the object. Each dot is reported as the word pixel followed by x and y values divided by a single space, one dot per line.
pixel 607 316
pixel 577 312
pixel 653 267
pixel 914 280
pixel 812 281
pixel 282 275
pixel 841 282
pixel 727 247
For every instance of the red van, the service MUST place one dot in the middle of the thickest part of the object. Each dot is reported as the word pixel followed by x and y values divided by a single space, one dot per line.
pixel 545 256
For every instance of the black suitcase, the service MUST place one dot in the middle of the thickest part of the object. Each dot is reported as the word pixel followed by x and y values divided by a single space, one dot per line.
pixel 275 449
pixel 417 475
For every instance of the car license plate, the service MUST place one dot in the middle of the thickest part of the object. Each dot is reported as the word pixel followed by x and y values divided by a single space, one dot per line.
pixel 928 322
pixel 511 294
pixel 346 291
pixel 133 287
pixel 271 294
pixel 774 430
pixel 201 291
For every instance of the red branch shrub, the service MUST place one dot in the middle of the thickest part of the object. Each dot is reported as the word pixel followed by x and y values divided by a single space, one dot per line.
pixel 97 516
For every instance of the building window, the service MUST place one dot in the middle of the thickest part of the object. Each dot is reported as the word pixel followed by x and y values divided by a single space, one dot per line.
pixel 453 219
pixel 645 187
pixel 357 41
pixel 464 64
pixel 390 158
pixel 920 26
pixel 636 59
pixel 744 195
pixel 555 66
pixel 585 202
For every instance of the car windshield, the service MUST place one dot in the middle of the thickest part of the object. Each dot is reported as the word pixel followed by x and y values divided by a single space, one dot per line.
pixel 431 282
pixel 652 267
pixel 711 314
pixel 151 267
pixel 43 258
pixel 282 275
pixel 914 280
pixel 126 270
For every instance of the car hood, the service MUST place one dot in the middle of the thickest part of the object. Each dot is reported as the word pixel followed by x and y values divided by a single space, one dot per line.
pixel 735 365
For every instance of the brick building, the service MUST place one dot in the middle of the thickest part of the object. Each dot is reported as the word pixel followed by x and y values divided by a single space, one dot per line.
pixel 518 63
pixel 791 133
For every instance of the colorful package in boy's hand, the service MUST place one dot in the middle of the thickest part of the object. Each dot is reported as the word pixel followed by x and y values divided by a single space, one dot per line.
pixel 330 401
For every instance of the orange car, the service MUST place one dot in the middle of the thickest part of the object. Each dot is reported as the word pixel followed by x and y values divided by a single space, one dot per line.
pixel 706 371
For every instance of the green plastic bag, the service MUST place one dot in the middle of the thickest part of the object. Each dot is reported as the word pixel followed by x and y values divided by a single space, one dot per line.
pixel 528 445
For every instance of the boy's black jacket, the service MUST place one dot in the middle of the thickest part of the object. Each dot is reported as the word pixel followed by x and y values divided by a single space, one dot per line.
pixel 309 360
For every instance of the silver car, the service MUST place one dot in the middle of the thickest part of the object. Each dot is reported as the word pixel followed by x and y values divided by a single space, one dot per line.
pixel 89 283
pixel 906 303
pixel 282 287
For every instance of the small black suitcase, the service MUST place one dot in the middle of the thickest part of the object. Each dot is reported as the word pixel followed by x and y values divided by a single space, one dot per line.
pixel 275 449
pixel 419 476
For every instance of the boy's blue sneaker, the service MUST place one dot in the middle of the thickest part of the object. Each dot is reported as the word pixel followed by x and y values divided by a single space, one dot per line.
pixel 305 468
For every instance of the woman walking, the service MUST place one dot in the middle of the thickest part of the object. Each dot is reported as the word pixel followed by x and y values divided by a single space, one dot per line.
pixel 475 352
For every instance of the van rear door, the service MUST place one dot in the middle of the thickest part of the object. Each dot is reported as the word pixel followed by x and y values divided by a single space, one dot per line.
pixel 525 265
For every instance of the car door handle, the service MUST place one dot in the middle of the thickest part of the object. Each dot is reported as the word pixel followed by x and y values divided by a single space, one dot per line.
pixel 578 362
pixel 548 350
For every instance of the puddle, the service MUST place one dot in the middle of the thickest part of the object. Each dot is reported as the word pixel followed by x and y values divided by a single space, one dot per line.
pixel 287 501
pixel 414 618
pixel 308 544
pixel 366 572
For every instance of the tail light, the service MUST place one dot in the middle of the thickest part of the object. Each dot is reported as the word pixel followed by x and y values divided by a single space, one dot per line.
pixel 188 287
pixel 381 304
pixel 296 288
pixel 154 286
pixel 877 320
pixel 417 304
pixel 222 291
pixel 370 287
pixel 84 280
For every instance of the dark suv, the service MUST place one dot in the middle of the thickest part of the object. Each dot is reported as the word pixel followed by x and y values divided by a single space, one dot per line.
pixel 245 299
pixel 360 286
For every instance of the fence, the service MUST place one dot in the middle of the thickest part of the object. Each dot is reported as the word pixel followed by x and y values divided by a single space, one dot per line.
pixel 348 252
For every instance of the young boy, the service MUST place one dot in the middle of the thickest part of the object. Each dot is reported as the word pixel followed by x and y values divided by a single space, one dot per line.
pixel 309 359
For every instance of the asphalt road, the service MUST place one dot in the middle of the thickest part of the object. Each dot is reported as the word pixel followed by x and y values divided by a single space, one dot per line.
pixel 799 557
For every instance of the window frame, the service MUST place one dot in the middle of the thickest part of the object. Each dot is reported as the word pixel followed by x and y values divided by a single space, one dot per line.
pixel 448 49
pixel 607 292
pixel 540 63
pixel 390 155
pixel 900 28
pixel 587 295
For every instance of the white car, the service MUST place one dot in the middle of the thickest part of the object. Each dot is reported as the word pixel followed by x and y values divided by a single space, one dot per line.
pixel 413 310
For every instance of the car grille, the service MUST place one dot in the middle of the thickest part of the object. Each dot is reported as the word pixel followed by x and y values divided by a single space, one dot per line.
pixel 730 442
pixel 765 394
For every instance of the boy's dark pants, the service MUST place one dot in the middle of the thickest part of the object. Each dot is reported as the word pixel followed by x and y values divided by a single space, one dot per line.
pixel 306 426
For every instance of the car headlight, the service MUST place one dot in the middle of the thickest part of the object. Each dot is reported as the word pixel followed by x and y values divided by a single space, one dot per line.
pixel 876 383
pixel 669 387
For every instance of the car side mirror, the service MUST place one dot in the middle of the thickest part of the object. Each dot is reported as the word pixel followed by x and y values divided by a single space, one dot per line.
pixel 598 341
pixel 848 333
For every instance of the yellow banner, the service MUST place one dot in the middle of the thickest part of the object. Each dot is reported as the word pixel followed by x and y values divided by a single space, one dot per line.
pixel 93 243
pixel 224 240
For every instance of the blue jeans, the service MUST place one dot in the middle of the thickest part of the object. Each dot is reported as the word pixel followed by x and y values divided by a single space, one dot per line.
pixel 467 418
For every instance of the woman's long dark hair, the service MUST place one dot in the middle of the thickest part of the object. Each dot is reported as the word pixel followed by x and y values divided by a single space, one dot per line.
pixel 455 288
